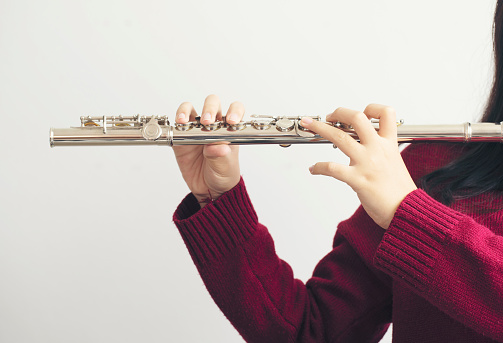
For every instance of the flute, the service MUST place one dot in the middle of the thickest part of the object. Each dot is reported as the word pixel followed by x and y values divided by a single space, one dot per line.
pixel 261 129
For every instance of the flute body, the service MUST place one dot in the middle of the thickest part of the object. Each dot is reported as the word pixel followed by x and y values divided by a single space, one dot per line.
pixel 286 130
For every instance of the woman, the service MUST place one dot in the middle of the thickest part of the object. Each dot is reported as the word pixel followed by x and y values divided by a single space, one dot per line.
pixel 428 259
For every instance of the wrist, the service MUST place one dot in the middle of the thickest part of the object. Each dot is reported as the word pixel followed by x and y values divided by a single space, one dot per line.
pixel 203 200
pixel 397 204
pixel 210 195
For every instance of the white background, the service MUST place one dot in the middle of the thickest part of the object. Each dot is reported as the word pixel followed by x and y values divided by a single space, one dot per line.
pixel 88 250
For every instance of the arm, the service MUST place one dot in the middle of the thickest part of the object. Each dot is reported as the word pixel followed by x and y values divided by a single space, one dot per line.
pixel 449 259
pixel 346 300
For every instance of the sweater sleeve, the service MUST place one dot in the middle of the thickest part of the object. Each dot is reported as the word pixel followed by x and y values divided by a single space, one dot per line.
pixel 346 300
pixel 449 259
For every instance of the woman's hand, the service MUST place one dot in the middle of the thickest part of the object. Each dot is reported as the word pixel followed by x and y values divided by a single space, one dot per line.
pixel 209 170
pixel 376 171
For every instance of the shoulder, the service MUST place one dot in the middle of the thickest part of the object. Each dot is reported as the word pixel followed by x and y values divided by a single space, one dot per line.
pixel 424 158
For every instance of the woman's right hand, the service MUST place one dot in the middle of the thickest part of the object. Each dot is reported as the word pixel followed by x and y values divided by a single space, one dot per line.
pixel 212 169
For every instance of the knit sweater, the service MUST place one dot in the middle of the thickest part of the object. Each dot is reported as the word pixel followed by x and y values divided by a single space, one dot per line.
pixel 436 273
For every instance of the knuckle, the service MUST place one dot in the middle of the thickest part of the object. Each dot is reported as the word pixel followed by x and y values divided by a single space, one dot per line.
pixel 331 168
pixel 373 161
pixel 336 134
pixel 360 118
pixel 336 114
pixel 389 110
pixel 340 135
pixel 338 110
pixel 384 109
pixel 372 107
pixel 340 138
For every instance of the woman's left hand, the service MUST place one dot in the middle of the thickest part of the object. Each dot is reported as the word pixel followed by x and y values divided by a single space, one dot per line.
pixel 376 171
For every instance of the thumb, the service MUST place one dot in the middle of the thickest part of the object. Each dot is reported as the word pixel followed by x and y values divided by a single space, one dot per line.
pixel 215 151
pixel 221 158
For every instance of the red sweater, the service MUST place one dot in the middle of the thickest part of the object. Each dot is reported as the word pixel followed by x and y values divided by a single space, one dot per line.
pixel 436 273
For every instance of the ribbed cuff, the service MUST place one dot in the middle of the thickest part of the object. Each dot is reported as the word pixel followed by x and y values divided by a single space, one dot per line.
pixel 212 231
pixel 415 238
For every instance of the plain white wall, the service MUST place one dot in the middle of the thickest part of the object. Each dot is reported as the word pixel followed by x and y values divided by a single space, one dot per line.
pixel 88 250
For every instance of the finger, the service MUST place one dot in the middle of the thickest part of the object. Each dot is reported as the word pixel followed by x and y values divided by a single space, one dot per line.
pixel 387 119
pixel 185 113
pixel 235 113
pixel 341 139
pixel 211 109
pixel 358 120
pixel 216 151
pixel 335 170
pixel 221 157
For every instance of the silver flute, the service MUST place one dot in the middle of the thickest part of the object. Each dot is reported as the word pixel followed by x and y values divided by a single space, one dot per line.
pixel 261 129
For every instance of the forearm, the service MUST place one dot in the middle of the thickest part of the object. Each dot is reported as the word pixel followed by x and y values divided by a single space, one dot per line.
pixel 236 258
pixel 449 259
pixel 257 291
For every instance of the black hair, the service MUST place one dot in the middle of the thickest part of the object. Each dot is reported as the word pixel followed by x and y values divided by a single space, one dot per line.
pixel 480 168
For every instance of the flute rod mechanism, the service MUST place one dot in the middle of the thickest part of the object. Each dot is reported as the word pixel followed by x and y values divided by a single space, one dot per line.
pixel 285 130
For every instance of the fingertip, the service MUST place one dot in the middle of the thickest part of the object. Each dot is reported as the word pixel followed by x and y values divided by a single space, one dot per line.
pixel 233 118
pixel 369 107
pixel 181 118
pixel 306 121
pixel 311 169
pixel 235 112
pixel 206 118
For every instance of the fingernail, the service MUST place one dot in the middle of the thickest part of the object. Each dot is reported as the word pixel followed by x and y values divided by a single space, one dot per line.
pixel 181 116
pixel 306 120
pixel 311 169
pixel 233 117
pixel 206 117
